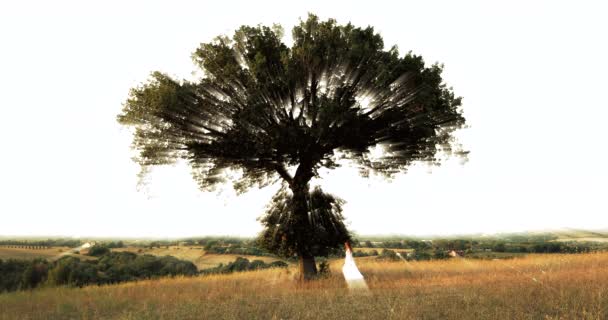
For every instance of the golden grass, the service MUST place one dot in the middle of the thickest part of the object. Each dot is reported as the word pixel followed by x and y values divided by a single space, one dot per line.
pixel 50 253
pixel 25 253
pixel 185 253
pixel 535 287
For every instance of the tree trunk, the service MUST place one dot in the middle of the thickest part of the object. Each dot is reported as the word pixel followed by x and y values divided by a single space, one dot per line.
pixel 308 268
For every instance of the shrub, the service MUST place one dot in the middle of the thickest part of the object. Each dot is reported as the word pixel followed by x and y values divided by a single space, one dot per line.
pixel 98 250
pixel 388 254
pixel 324 270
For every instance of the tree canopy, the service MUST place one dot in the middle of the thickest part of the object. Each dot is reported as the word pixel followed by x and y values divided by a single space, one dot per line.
pixel 264 111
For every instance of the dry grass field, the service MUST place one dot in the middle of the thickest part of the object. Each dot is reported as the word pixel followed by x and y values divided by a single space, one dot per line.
pixel 535 287
pixel 49 253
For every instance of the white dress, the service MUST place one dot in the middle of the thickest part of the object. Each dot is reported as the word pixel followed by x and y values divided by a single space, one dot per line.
pixel 354 278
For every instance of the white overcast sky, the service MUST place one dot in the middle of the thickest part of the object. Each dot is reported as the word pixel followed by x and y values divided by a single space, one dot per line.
pixel 532 74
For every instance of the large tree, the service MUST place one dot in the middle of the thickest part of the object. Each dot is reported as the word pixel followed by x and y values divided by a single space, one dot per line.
pixel 263 111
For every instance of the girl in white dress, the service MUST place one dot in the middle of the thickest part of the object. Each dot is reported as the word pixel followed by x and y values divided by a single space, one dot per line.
pixel 354 278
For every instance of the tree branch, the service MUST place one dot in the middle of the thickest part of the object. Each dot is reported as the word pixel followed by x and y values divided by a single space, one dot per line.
pixel 283 173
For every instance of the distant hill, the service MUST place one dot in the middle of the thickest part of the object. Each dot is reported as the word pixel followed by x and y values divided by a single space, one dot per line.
pixel 563 234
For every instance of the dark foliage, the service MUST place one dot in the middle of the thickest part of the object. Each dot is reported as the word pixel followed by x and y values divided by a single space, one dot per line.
pixel 114 244
pixel 110 268
pixel 246 251
pixel 20 274
pixel 323 224
pixel 125 266
pixel 42 243
pixel 243 264
pixel 98 250
pixel 359 253
pixel 324 270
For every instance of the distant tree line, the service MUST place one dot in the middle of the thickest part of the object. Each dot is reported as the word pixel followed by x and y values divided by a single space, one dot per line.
pixel 359 253
pixel 114 244
pixel 491 249
pixel 243 264
pixel 42 243
pixel 203 241
pixel 231 246
pixel 246 251
pixel 516 244
pixel 98 250
pixel 415 255
pixel 541 247
pixel 111 267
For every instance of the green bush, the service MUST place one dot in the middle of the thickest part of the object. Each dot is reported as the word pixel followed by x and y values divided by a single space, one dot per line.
pixel 388 254
pixel 98 250
pixel 324 270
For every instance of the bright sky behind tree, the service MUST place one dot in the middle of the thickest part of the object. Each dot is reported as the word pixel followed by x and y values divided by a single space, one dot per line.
pixel 532 75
